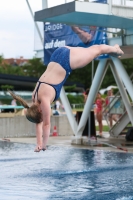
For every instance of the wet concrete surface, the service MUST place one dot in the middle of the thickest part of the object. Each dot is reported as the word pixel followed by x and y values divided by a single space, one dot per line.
pixel 106 143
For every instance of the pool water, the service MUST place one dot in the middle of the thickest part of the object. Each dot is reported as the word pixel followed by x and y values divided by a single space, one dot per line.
pixel 64 173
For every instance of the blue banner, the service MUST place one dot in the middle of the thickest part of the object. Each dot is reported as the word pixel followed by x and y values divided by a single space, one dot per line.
pixel 58 35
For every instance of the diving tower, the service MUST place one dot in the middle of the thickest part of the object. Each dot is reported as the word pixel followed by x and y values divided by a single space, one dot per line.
pixel 103 15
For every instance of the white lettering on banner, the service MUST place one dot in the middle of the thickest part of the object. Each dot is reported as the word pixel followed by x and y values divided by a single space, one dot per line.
pixel 53 27
pixel 57 43
pixel 49 45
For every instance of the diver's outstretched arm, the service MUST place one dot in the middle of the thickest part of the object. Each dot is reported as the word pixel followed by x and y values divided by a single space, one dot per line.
pixel 39 132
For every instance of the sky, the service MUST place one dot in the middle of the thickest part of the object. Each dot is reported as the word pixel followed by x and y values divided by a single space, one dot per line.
pixel 18 35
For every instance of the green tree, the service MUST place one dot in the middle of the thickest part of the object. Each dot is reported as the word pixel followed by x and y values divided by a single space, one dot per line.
pixel 69 88
pixel 34 68
pixel 1 59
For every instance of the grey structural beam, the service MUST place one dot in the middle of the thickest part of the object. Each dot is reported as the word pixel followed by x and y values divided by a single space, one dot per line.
pixel 68 111
pixel 124 76
pixel 98 78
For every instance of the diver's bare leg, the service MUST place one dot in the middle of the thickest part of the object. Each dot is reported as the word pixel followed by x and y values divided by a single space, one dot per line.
pixel 80 57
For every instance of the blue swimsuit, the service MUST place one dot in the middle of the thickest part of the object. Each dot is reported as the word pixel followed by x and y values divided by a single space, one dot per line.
pixel 60 56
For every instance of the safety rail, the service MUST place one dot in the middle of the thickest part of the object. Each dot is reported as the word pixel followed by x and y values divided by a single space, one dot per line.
pixel 11 107
pixel 77 106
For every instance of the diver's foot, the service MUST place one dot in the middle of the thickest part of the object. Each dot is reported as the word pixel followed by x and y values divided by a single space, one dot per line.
pixel 38 149
pixel 99 135
pixel 44 148
pixel 115 55
pixel 117 51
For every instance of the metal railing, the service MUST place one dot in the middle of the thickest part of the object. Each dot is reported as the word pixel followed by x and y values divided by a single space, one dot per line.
pixel 77 106
pixel 110 108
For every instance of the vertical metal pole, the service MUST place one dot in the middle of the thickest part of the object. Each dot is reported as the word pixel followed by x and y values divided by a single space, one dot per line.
pixel 89 119
pixel 110 6
pixel 100 72
pixel 124 76
pixel 36 25
pixel 89 127
pixel 123 2
pixel 44 4
pixel 92 75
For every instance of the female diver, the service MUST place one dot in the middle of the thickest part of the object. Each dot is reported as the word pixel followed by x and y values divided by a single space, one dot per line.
pixel 62 62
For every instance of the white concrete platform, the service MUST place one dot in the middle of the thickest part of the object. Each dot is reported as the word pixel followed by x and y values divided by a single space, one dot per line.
pixel 86 13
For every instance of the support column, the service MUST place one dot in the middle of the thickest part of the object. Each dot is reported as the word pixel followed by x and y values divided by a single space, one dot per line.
pixel 98 78
pixel 44 4
pixel 124 76
pixel 123 93
pixel 68 111
pixel 110 6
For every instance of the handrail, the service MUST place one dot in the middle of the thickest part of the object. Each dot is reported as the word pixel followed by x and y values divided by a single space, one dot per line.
pixel 11 107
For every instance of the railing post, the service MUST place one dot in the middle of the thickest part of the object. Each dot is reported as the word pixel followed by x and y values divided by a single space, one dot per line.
pixel 110 6
pixel 44 4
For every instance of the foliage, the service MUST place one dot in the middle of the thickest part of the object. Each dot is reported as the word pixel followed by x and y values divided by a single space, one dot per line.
pixel 82 75
pixel 14 70
pixel 6 101
pixel 115 90
pixel 105 128
pixel 1 59
pixel 35 68
pixel 7 87
pixel 75 99
pixel 69 88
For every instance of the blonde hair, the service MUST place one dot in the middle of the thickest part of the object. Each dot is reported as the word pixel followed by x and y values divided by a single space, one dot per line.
pixel 32 114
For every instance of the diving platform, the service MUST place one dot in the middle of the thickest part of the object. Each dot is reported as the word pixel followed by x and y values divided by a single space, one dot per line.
pixel 88 14
pixel 101 15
